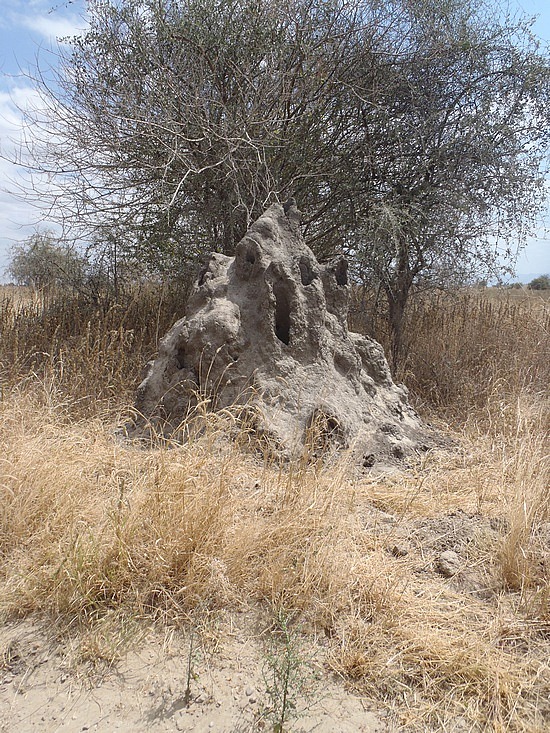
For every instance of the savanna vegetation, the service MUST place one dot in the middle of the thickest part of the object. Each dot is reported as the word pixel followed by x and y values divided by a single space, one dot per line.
pixel 97 535
pixel 414 135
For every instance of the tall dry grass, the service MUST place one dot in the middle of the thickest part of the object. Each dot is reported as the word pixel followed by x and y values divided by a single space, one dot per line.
pixel 474 351
pixel 91 354
pixel 98 534
pixel 468 350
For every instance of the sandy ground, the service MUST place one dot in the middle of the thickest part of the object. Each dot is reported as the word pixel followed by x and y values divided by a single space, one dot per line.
pixel 43 689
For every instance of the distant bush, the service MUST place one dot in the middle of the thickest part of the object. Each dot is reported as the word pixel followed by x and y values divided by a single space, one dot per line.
pixel 95 272
pixel 540 283
pixel 43 262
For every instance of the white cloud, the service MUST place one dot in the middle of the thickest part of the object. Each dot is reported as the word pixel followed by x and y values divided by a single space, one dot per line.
pixel 23 22
pixel 535 258
pixel 45 19
pixel 18 218
pixel 22 13
pixel 53 28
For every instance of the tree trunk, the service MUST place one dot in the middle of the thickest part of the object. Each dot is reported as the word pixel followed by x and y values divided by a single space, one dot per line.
pixel 398 294
pixel 396 316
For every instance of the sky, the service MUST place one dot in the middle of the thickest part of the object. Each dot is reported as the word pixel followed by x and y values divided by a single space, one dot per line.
pixel 31 27
pixel 28 28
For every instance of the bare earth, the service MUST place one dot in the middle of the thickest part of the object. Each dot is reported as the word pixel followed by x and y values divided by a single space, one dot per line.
pixel 42 690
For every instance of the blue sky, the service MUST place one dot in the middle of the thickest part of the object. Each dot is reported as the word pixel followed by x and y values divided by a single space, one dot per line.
pixel 30 27
pixel 27 28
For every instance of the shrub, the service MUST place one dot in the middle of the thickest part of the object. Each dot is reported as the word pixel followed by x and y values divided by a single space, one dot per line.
pixel 540 283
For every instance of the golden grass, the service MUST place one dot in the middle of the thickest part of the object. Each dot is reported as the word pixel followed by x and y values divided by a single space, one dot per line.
pixel 469 354
pixel 91 527
pixel 98 534
pixel 91 354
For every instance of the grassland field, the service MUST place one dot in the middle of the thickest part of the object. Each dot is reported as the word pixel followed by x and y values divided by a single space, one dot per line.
pixel 102 543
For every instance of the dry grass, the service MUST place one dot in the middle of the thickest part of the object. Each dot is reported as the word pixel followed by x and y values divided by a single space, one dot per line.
pixel 469 352
pixel 98 534
pixel 91 355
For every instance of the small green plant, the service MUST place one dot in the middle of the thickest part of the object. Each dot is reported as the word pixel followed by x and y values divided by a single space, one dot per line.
pixel 198 620
pixel 189 675
pixel 286 671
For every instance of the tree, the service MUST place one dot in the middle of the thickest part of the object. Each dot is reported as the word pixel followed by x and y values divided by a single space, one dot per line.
pixel 42 262
pixel 540 283
pixel 45 262
pixel 177 121
pixel 459 172
pixel 412 132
